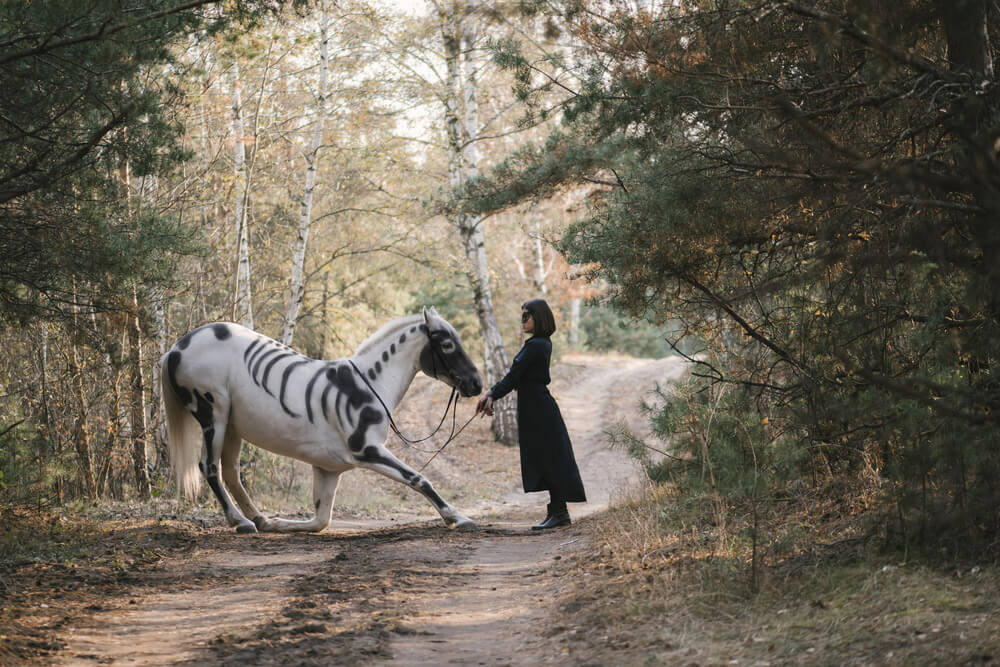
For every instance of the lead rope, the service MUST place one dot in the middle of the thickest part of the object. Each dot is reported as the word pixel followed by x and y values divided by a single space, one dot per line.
pixel 410 442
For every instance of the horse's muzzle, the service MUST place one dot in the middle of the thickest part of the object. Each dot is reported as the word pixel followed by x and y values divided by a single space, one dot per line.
pixel 471 387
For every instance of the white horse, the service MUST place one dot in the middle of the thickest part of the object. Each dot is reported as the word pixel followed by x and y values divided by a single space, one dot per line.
pixel 240 385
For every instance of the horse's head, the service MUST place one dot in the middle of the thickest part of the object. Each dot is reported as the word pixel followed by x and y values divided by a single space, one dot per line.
pixel 445 359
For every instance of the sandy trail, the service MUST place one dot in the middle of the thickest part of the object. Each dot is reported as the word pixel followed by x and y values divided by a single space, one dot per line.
pixel 472 598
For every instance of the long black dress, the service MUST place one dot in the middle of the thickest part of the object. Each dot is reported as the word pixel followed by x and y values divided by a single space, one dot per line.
pixel 547 462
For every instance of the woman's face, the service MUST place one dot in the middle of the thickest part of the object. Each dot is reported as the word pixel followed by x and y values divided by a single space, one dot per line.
pixel 527 322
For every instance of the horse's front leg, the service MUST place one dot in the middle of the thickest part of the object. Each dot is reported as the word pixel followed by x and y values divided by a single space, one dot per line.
pixel 324 491
pixel 381 460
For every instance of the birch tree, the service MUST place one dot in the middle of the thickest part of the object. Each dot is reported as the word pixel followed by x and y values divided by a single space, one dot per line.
pixel 297 288
pixel 243 301
pixel 458 31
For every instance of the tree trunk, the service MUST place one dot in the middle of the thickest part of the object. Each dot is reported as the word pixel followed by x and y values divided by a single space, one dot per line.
pixel 157 417
pixel 138 403
pixel 297 289
pixel 574 320
pixel 463 165
pixel 243 302
pixel 81 432
pixel 965 25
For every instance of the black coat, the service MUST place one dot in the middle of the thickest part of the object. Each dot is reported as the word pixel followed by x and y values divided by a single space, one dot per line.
pixel 547 462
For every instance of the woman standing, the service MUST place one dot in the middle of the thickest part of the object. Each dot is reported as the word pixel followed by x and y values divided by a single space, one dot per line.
pixel 547 462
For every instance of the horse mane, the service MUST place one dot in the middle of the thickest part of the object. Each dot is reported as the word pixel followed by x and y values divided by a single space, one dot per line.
pixel 387 328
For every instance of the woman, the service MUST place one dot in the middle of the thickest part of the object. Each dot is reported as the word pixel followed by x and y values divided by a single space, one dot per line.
pixel 547 462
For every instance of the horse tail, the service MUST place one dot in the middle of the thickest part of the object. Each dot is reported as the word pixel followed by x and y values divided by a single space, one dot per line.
pixel 183 441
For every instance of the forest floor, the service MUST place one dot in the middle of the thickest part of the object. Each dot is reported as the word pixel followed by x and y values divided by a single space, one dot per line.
pixel 387 583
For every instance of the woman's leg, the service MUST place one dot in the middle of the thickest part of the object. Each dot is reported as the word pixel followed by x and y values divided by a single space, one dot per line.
pixel 557 515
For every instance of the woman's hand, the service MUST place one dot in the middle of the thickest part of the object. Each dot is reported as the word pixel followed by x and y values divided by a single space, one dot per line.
pixel 485 405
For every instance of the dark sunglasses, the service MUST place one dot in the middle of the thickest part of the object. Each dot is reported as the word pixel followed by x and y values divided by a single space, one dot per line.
pixel 525 316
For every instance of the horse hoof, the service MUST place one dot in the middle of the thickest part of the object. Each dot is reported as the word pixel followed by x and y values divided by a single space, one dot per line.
pixel 246 528
pixel 465 525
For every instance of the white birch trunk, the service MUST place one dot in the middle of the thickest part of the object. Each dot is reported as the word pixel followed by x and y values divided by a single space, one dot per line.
pixel 243 304
pixel 574 320
pixel 297 288
pixel 463 165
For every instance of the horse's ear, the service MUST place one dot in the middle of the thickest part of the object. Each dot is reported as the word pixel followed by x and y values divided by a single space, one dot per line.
pixel 427 317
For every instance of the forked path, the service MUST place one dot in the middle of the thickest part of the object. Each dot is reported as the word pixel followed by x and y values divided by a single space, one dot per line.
pixel 380 593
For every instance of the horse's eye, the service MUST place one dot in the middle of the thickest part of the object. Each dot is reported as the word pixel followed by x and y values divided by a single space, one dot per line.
pixel 447 346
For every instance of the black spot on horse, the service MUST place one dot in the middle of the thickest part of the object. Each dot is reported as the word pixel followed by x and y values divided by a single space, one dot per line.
pixel 183 343
pixel 392 348
pixel 385 356
pixel 371 373
pixel 402 338
pixel 221 331
pixel 378 366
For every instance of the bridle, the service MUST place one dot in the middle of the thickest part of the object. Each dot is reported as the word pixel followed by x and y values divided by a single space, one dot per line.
pixel 436 355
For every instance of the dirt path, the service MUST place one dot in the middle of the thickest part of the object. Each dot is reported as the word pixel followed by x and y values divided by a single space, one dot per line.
pixel 380 592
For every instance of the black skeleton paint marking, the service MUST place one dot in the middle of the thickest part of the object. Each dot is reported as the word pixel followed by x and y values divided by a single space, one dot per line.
pixel 371 373
pixel 250 348
pixel 378 366
pixel 221 331
pixel 414 329
pixel 270 365
pixel 173 361
pixel 372 455
pixel 284 383
pixel 309 391
pixel 260 360
pixel 385 355
pixel 368 417
pixel 392 348
pixel 342 377
pixel 425 488
pixel 203 413
pixel 402 338
pixel 326 392
pixel 253 358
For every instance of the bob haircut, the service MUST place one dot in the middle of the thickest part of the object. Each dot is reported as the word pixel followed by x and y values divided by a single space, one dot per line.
pixel 545 323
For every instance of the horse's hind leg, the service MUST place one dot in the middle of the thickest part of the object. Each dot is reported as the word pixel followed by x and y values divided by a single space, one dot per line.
pixel 213 417
pixel 324 491
pixel 231 445
pixel 379 459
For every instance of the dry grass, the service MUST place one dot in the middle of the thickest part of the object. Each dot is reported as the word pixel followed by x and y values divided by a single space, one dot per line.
pixel 663 585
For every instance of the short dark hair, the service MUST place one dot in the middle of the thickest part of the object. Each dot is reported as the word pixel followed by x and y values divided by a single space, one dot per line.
pixel 545 322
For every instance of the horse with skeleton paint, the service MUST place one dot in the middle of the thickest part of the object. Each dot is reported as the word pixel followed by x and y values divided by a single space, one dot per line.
pixel 240 385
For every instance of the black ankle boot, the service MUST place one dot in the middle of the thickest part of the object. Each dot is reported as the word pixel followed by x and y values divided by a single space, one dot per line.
pixel 554 518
